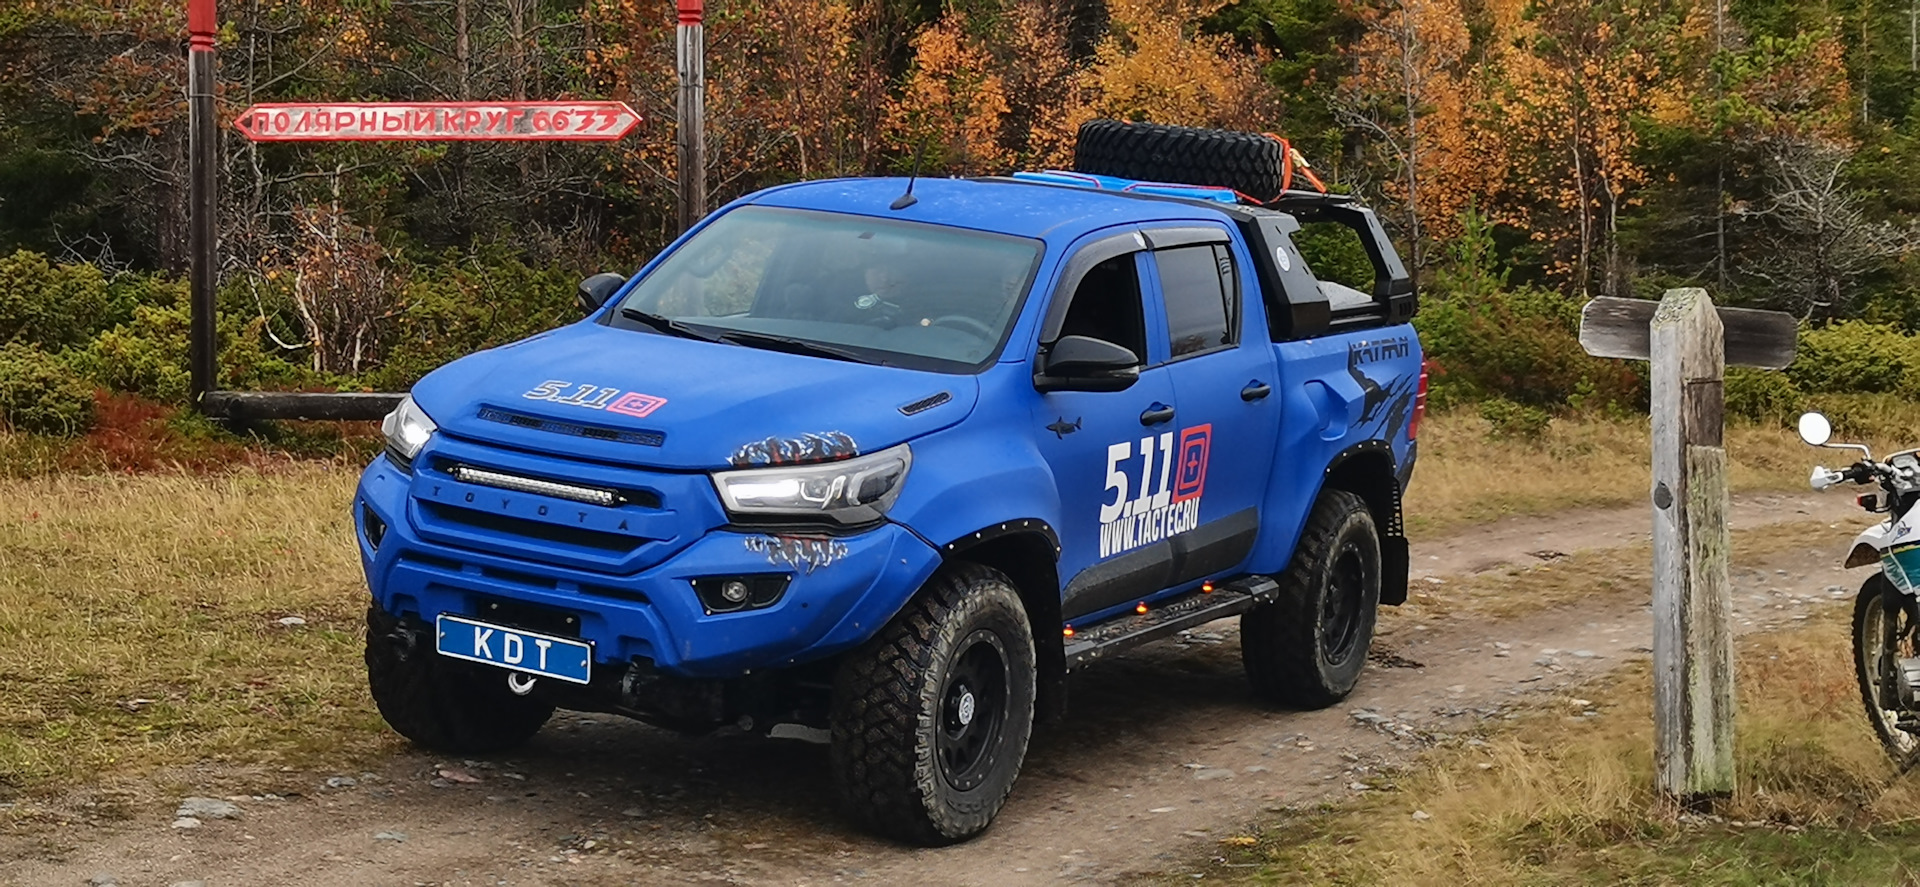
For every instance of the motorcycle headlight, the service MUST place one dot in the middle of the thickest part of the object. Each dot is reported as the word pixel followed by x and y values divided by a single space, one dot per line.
pixel 854 491
pixel 407 429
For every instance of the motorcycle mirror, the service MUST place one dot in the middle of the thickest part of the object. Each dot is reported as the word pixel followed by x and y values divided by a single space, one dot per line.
pixel 1815 429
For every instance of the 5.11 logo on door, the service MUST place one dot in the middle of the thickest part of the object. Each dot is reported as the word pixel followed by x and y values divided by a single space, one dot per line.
pixel 1146 512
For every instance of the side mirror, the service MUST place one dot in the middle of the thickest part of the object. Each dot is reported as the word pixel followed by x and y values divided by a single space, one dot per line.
pixel 596 290
pixel 1815 429
pixel 1083 363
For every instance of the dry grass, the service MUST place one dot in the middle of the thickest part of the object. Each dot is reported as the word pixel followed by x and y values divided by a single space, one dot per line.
pixel 138 623
pixel 1517 591
pixel 1561 799
pixel 1557 798
pixel 1464 476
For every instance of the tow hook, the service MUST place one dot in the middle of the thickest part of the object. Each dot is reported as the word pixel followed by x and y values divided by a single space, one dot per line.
pixel 520 683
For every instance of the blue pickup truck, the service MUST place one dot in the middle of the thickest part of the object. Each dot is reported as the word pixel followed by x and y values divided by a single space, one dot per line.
pixel 887 460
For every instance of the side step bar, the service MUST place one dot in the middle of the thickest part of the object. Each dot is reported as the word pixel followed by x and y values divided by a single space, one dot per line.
pixel 1171 616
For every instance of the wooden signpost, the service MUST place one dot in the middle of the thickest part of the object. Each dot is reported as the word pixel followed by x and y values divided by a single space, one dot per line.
pixel 390 121
pixel 1690 344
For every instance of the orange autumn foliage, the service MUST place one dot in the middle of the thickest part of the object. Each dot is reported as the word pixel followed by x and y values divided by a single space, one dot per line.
pixel 952 103
pixel 1154 65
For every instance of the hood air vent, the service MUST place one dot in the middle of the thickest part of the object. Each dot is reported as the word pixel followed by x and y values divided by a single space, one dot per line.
pixel 573 429
pixel 926 403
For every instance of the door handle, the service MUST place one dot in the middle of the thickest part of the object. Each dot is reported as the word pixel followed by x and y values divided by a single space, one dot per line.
pixel 1255 390
pixel 1157 414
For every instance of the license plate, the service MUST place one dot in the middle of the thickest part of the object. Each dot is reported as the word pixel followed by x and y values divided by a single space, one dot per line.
pixel 563 659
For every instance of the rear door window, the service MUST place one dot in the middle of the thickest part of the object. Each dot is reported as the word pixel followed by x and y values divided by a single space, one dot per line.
pixel 1197 287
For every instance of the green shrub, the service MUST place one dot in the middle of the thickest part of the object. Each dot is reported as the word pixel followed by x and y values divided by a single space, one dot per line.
pixel 41 395
pixel 148 356
pixel 1762 395
pixel 1488 338
pixel 1855 356
pixel 457 308
pixel 51 306
pixel 1506 419
pixel 1522 345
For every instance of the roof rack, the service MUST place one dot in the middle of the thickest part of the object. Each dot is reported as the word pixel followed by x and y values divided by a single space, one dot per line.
pixel 1211 194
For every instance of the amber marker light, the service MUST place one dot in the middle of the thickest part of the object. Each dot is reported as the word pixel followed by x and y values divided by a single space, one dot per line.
pixel 1068 631
pixel 1141 608
pixel 1206 588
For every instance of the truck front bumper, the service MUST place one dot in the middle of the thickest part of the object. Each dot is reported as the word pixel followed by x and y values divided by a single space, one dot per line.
pixel 839 590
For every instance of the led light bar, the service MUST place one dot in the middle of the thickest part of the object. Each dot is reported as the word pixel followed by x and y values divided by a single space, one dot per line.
pixel 589 495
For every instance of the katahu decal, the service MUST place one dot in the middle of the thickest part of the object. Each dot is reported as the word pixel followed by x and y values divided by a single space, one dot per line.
pixel 594 397
pixel 1166 499
pixel 1389 402
pixel 821 446
pixel 804 553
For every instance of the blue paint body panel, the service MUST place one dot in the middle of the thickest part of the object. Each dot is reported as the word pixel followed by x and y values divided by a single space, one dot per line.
pixel 653 416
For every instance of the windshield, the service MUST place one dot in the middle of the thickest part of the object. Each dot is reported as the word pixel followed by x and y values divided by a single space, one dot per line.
pixel 897 293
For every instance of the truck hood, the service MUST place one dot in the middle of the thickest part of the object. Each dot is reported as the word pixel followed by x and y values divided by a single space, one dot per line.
pixel 631 398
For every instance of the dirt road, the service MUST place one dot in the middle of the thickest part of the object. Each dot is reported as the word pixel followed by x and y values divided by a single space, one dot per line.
pixel 1163 754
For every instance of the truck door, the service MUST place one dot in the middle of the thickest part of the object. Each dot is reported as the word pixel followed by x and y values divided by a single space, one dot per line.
pixel 1103 446
pixel 1228 417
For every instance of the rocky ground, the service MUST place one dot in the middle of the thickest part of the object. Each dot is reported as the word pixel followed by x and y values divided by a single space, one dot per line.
pixel 1163 755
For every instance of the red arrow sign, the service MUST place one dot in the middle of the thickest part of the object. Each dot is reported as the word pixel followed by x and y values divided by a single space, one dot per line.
pixel 438 121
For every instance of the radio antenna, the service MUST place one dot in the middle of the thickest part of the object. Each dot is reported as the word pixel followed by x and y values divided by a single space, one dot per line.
pixel 907 199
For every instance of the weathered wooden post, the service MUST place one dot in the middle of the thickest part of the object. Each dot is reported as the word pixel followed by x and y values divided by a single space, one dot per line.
pixel 1684 336
pixel 203 160
pixel 691 58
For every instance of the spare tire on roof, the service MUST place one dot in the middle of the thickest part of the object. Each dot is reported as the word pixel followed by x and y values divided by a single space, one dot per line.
pixel 1252 164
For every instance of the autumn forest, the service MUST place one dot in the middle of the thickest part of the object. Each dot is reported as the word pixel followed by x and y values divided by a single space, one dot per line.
pixel 1527 153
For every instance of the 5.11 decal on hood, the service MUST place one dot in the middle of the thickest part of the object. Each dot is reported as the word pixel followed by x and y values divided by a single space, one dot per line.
pixel 593 397
pixel 1166 499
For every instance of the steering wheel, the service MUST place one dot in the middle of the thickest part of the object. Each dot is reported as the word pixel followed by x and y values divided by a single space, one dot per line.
pixel 961 321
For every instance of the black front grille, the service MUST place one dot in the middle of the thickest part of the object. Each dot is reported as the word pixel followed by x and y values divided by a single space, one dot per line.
pixel 611 543
pixel 574 429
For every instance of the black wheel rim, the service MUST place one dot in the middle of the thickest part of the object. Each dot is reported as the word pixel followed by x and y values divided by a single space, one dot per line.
pixel 973 707
pixel 1340 615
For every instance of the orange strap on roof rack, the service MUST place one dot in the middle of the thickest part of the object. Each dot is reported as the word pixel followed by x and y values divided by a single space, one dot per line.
pixel 1293 158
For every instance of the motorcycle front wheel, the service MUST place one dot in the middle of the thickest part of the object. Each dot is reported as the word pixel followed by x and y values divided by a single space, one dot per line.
pixel 1884 622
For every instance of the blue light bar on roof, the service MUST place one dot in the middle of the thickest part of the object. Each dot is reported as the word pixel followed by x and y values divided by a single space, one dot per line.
pixel 1131 186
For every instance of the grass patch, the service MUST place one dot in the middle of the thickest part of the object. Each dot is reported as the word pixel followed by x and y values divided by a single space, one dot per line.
pixel 1556 798
pixel 1466 476
pixel 138 623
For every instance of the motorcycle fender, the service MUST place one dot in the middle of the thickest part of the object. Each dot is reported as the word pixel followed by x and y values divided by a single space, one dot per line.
pixel 1868 546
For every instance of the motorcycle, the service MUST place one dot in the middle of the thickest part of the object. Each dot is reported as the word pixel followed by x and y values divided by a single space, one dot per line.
pixel 1886 614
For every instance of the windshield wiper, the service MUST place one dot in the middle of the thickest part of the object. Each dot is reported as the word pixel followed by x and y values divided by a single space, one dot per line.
pixel 668 325
pixel 791 346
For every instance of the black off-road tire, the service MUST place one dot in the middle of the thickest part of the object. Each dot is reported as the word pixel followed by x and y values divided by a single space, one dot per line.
pixel 444 704
pixel 1869 609
pixel 899 734
pixel 1306 649
pixel 1249 163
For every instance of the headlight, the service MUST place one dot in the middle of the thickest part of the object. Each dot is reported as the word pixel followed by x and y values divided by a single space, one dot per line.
pixel 407 428
pixel 854 491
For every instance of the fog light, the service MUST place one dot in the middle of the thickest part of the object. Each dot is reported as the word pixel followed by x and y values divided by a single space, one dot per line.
pixel 729 594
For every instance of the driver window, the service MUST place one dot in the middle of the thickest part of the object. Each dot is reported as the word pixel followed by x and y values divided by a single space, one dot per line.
pixel 1106 306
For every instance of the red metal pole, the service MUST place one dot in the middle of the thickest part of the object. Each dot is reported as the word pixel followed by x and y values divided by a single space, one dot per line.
pixel 692 132
pixel 202 152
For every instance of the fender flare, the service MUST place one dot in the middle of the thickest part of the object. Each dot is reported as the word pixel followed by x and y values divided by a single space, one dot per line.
pixel 1382 492
pixel 1027 550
